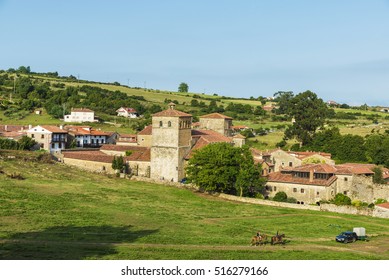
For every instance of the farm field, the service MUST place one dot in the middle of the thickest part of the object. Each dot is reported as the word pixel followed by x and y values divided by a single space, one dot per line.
pixel 60 212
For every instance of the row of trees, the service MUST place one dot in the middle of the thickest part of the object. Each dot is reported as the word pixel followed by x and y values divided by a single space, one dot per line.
pixel 24 143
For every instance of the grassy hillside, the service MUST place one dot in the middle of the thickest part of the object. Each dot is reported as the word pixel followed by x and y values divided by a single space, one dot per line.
pixel 58 212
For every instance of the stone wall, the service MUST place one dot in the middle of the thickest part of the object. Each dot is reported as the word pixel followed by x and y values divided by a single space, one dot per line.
pixel 139 168
pixel 93 166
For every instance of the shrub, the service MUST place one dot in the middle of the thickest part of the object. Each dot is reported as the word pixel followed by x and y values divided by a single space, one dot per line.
pixel 15 175
pixel 280 197
pixel 291 200
pixel 380 200
pixel 341 199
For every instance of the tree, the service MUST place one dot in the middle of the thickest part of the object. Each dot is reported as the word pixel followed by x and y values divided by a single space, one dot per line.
pixel 183 87
pixel 377 177
pixel 118 163
pixel 309 113
pixel 283 98
pixel 220 167
pixel 26 143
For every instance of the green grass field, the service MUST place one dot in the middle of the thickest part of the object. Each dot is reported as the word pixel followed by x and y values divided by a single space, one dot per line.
pixel 60 212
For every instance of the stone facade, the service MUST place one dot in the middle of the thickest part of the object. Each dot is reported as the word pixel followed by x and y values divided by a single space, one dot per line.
pixel 217 122
pixel 89 165
pixel 171 141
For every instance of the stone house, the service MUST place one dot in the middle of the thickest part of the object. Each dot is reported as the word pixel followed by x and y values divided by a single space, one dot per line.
pixel 80 115
pixel 144 137
pixel 49 137
pixel 311 183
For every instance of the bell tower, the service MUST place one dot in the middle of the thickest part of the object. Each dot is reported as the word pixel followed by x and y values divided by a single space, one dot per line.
pixel 170 142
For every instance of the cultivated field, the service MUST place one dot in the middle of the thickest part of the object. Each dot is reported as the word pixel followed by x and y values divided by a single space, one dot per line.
pixel 58 212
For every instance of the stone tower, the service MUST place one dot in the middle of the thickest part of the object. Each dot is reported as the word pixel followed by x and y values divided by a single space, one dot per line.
pixel 170 142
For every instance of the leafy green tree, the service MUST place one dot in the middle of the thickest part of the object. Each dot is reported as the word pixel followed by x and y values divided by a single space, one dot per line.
pixel 220 167
pixel 283 98
pixel 378 177
pixel 118 163
pixel 309 113
pixel 183 87
pixel 26 143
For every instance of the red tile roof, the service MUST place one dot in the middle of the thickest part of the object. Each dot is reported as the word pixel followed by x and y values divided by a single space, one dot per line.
pixel 148 130
pixel 53 128
pixel 144 155
pixel 355 168
pixel 121 148
pixel 302 155
pixel 316 168
pixel 240 136
pixel 206 137
pixel 384 205
pixel 171 113
pixel 85 130
pixel 289 178
pixel 89 156
pixel 9 128
pixel 215 116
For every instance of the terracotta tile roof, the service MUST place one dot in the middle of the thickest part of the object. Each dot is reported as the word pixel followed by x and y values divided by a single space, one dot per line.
pixel 215 116
pixel 89 156
pixel 122 135
pixel 53 128
pixel 120 148
pixel 144 155
pixel 195 124
pixel 316 168
pixel 171 113
pixel 84 130
pixel 239 127
pixel 240 136
pixel 13 134
pixel 206 137
pixel 384 205
pixel 148 130
pixel 288 178
pixel 355 168
pixel 82 110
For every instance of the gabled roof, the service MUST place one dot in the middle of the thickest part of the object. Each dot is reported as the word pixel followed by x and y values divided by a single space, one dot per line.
pixel 355 168
pixel 128 110
pixel 240 136
pixel 121 148
pixel 148 130
pixel 85 130
pixel 289 178
pixel 53 129
pixel 9 128
pixel 171 113
pixel 82 110
pixel 88 155
pixel 316 168
pixel 143 155
pixel 384 205
pixel 206 137
pixel 215 116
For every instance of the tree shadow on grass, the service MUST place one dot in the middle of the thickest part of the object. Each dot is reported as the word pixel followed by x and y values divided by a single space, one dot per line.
pixel 68 242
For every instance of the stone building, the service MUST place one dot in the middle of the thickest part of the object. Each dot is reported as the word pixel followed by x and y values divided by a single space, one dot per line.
pixel 171 141
pixel 217 122
pixel 49 137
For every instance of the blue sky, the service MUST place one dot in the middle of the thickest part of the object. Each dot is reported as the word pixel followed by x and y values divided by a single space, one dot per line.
pixel 338 49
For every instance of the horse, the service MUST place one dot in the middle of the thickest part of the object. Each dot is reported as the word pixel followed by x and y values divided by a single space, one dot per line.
pixel 258 239
pixel 277 239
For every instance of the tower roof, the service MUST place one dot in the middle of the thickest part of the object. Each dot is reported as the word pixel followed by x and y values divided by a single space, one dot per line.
pixel 215 116
pixel 171 112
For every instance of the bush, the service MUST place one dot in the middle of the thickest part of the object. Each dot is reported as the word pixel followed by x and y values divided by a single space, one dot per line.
pixel 341 199
pixel 291 200
pixel 380 200
pixel 16 176
pixel 280 197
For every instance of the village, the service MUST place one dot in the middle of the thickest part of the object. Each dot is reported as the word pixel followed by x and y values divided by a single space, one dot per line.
pixel 160 152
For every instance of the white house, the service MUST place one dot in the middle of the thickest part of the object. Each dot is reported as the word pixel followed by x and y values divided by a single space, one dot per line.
pixel 127 112
pixel 80 115
pixel 86 136
pixel 49 137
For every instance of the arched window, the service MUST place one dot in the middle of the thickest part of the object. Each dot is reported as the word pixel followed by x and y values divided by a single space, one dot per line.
pixel 169 124
pixel 160 124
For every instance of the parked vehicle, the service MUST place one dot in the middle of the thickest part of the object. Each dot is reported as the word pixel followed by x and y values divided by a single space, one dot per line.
pixel 346 237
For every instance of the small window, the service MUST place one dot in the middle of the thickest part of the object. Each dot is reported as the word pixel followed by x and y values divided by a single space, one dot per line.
pixel 160 124
pixel 275 188
pixel 290 164
pixel 302 191
pixel 294 189
pixel 42 136
pixel 32 136
pixel 169 124
pixel 317 193
pixel 53 145
pixel 346 179
pixel 345 192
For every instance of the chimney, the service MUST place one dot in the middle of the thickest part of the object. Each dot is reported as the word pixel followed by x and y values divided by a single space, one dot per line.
pixel 61 126
pixel 29 126
pixel 311 175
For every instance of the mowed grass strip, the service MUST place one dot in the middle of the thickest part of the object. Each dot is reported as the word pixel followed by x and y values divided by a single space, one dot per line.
pixel 60 212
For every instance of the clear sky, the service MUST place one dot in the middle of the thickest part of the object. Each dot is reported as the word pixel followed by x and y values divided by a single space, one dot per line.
pixel 242 48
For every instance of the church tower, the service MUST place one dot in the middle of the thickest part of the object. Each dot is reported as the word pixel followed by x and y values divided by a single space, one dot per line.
pixel 170 142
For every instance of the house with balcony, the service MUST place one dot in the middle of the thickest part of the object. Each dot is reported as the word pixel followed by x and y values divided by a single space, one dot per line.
pixel 49 137
pixel 86 136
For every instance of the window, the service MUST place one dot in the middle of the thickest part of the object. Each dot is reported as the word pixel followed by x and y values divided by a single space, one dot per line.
pixel 42 136
pixel 302 190
pixel 160 124
pixel 169 123
pixel 53 145
pixel 345 178
pixel 290 164
pixel 275 188
pixel 32 136
pixel 345 192
pixel 317 193
pixel 294 189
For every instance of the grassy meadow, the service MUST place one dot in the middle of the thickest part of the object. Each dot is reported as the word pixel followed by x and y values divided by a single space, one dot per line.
pixel 59 212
